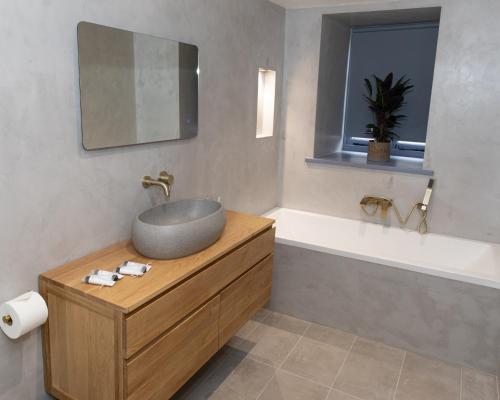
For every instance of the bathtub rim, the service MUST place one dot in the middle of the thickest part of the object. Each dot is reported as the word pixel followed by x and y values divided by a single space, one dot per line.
pixel 455 275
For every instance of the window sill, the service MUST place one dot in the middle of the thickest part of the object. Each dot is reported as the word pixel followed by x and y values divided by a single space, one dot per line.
pixel 405 165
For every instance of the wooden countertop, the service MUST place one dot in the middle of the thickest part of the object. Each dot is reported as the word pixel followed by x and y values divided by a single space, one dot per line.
pixel 130 293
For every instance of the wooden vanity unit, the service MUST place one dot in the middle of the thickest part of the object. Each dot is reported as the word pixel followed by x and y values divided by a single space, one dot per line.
pixel 145 337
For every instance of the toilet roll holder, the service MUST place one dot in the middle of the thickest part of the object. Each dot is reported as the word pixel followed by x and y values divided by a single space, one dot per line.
pixel 7 319
pixel 23 314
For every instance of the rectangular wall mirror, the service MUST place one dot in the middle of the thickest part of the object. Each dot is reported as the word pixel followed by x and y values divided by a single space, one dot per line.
pixel 135 88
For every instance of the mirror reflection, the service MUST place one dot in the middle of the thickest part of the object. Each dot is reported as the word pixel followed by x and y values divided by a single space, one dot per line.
pixel 135 88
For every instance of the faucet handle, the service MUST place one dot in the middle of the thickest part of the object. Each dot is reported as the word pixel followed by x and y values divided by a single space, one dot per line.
pixel 146 181
pixel 165 177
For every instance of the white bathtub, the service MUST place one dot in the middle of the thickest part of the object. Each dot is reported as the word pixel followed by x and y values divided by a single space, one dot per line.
pixel 444 256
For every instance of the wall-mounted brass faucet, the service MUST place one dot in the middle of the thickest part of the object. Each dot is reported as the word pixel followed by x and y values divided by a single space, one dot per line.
pixel 165 180
pixel 384 204
pixel 377 202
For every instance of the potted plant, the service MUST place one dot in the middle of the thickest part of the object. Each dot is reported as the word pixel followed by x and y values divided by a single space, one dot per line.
pixel 385 105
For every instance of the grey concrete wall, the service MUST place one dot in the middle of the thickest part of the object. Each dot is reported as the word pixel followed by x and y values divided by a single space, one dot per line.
pixel 59 202
pixel 454 321
pixel 334 54
pixel 462 143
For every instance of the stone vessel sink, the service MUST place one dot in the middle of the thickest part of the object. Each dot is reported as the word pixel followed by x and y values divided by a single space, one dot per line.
pixel 178 228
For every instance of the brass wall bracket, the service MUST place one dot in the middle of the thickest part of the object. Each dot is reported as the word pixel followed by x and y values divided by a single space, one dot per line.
pixel 7 319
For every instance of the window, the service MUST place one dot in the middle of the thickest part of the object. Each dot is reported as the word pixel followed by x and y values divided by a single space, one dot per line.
pixel 404 49
pixel 265 102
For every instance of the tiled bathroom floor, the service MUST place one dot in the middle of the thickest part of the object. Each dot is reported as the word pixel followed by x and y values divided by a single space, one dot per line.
pixel 277 357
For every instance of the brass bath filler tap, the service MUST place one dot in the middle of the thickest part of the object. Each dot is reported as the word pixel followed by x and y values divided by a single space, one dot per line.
pixel 377 202
pixel 165 180
pixel 382 203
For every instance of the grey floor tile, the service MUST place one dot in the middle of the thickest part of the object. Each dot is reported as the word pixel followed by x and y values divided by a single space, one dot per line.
pixel 248 379
pixel 242 334
pixel 478 386
pixel 267 344
pixel 315 360
pixel 425 378
pixel 223 393
pixel 331 336
pixel 261 315
pixel 190 386
pixel 285 386
pixel 205 383
pixel 336 395
pixel 247 329
pixel 286 323
pixel 370 371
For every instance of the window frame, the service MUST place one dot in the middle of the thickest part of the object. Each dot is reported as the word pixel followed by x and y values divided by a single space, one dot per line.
pixel 399 148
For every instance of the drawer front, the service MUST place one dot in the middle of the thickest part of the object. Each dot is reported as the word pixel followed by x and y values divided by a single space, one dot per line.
pixel 243 298
pixel 155 318
pixel 163 368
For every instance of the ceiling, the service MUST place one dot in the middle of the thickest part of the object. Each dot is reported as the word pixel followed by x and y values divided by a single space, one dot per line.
pixel 317 3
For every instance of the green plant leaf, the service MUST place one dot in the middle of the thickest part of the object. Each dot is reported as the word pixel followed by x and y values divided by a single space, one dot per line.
pixel 388 80
pixel 369 88
pixel 388 100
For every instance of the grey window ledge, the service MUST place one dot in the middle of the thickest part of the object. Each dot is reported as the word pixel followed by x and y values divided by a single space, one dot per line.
pixel 358 160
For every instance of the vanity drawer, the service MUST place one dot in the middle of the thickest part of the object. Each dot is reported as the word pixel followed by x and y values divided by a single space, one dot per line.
pixel 159 371
pixel 155 318
pixel 242 299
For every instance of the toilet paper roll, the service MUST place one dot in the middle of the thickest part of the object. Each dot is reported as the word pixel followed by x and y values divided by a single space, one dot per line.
pixel 23 314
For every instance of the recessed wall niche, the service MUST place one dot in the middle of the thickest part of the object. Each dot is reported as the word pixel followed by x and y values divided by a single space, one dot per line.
pixel 353 47
pixel 265 102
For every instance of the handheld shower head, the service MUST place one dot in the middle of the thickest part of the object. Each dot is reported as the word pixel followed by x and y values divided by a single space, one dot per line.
pixel 427 197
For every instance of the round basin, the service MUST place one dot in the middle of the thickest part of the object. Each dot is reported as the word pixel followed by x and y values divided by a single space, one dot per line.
pixel 178 228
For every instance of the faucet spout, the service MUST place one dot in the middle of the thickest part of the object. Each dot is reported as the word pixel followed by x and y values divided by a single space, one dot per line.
pixel 147 181
pixel 164 181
